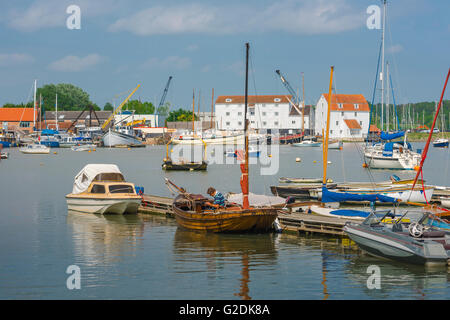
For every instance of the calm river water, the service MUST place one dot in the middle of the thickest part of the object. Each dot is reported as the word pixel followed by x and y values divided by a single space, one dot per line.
pixel 149 257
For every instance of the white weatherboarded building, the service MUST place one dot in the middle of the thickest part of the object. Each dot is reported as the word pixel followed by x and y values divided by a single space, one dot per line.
pixel 349 116
pixel 273 112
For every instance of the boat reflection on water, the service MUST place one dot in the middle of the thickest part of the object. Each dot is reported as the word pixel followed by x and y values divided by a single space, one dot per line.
pixel 396 278
pixel 102 238
pixel 249 250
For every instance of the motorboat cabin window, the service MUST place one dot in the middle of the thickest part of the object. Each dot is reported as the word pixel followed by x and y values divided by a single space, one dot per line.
pixel 120 188
pixel 98 188
pixel 109 176
pixel 372 219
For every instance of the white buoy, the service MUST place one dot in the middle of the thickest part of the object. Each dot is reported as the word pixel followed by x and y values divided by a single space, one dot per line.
pixel 298 159
pixel 329 162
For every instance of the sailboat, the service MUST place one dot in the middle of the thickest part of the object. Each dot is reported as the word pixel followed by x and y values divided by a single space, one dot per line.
pixel 192 211
pixel 425 243
pixel 388 154
pixel 337 197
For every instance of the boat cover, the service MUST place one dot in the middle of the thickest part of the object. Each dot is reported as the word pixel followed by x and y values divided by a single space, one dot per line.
pixel 48 132
pixel 328 196
pixel 257 200
pixel 390 136
pixel 85 177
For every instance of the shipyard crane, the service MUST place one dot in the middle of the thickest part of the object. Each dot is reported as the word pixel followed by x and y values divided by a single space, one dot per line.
pixel 294 95
pixel 119 108
pixel 163 98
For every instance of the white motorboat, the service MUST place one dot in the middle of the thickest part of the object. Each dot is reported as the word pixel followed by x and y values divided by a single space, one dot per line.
pixel 101 188
pixel 338 144
pixel 307 143
pixel 4 155
pixel 83 147
pixel 441 143
pixel 35 149
pixel 445 202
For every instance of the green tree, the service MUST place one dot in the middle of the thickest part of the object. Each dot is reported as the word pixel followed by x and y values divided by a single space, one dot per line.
pixel 70 97
pixel 139 107
pixel 108 107
pixel 180 115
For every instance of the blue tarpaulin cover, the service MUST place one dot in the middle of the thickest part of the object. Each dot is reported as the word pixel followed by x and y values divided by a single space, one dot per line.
pixel 390 136
pixel 47 132
pixel 328 196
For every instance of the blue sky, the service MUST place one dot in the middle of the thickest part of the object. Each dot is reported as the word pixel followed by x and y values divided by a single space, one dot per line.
pixel 201 44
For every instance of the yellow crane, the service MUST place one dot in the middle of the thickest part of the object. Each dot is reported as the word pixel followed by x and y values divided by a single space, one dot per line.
pixel 119 108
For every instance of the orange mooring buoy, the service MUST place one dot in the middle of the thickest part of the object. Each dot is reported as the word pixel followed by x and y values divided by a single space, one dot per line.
pixel 364 165
pixel 416 168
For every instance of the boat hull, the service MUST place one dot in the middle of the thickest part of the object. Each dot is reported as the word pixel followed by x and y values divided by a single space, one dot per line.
pixel 303 145
pixel 114 138
pixel 169 165
pixel 239 220
pixel 441 144
pixel 103 206
pixel 233 140
pixel 394 248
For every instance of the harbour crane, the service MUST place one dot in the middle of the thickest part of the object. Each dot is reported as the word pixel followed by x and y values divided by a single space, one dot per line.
pixel 294 96
pixel 119 108
pixel 163 98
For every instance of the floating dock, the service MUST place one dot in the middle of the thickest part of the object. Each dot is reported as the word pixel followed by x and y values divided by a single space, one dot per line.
pixel 290 220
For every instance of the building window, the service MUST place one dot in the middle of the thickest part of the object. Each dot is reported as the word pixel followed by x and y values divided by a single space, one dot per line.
pixel 276 113
pixel 340 106
pixel 342 113
pixel 276 104
pixel 356 114
pixel 263 113
pixel 360 123
pixel 276 123
pixel 277 99
pixel 293 121
pixel 239 123
pixel 264 123
pixel 228 100
pixel 252 121
pixel 340 132
pixel 227 113
pixel 337 123
pixel 331 131
pixel 252 113
pixel 239 113
pixel 263 105
pixel 356 106
pixel 25 124
pixel 227 123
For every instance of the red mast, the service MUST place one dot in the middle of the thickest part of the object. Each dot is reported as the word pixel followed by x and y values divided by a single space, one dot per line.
pixel 425 150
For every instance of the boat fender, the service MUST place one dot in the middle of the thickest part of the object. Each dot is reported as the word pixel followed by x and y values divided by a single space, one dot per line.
pixel 277 226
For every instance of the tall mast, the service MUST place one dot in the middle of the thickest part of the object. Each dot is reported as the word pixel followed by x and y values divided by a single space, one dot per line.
pixel 193 111
pixel 56 113
pixel 303 110
pixel 212 109
pixel 387 98
pixel 382 66
pixel 325 143
pixel 34 106
pixel 245 182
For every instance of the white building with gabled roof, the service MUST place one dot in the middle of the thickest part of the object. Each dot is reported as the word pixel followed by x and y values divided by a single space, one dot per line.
pixel 273 112
pixel 349 116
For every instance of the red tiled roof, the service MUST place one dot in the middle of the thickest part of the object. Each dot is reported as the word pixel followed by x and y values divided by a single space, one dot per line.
pixel 352 124
pixel 253 99
pixel 17 114
pixel 374 128
pixel 348 102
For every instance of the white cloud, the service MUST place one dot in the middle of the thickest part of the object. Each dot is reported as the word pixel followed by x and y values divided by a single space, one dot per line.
pixel 172 62
pixel 52 13
pixel 294 16
pixel 75 63
pixel 13 59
